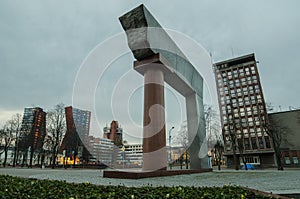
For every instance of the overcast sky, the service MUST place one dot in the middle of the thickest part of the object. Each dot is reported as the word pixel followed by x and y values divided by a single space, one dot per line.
pixel 43 44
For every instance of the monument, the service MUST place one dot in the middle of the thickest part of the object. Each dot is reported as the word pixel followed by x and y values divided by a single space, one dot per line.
pixel 160 60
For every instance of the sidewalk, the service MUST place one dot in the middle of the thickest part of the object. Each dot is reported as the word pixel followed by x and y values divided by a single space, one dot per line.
pixel 277 182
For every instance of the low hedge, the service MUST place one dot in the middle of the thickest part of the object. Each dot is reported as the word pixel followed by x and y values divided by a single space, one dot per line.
pixel 16 187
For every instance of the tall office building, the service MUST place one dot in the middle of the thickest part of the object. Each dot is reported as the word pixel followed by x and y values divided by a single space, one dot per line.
pixel 32 134
pixel 242 110
pixel 76 140
pixel 114 133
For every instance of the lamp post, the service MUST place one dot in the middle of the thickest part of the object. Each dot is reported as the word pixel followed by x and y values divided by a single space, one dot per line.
pixel 170 155
pixel 123 151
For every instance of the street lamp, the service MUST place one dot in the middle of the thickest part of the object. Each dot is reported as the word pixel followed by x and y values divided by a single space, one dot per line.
pixel 170 147
pixel 123 151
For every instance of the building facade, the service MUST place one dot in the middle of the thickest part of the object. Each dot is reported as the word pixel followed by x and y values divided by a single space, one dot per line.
pixel 288 125
pixel 243 111
pixel 75 144
pixel 32 135
pixel 131 155
pixel 114 133
pixel 102 151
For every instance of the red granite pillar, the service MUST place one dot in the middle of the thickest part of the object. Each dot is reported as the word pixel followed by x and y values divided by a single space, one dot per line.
pixel 154 133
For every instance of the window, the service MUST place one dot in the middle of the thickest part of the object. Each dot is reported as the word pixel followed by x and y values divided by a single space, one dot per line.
pixel 295 160
pixel 260 142
pixel 222 102
pixel 287 160
pixel 253 142
pixel 267 140
pixel 247 144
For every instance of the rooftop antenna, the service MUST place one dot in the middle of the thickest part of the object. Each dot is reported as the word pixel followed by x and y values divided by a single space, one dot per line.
pixel 211 59
pixel 232 52
pixel 293 108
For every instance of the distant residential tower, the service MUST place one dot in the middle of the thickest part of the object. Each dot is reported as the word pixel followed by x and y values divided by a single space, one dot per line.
pixel 32 135
pixel 114 133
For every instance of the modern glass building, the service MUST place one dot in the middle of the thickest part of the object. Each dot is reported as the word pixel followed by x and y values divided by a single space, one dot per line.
pixel 76 140
pixel 243 111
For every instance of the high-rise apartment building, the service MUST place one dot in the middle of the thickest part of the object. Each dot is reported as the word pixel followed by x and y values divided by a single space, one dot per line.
pixel 32 134
pixel 114 133
pixel 76 140
pixel 243 112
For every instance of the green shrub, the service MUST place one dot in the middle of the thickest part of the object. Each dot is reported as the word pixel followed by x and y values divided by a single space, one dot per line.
pixel 15 187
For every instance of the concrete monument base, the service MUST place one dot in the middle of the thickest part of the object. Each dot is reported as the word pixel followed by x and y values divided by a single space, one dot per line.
pixel 138 174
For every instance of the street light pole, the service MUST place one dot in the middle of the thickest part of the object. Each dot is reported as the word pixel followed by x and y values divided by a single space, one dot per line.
pixel 123 150
pixel 170 149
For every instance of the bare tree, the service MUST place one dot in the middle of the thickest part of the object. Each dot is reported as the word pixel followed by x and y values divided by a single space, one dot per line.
pixel 218 151
pixel 17 121
pixel 56 128
pixel 6 135
pixel 277 132
pixel 241 148
pixel 2 141
pixel 213 126
pixel 181 138
pixel 233 140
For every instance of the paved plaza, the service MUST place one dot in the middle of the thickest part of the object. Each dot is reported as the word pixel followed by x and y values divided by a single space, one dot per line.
pixel 278 182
